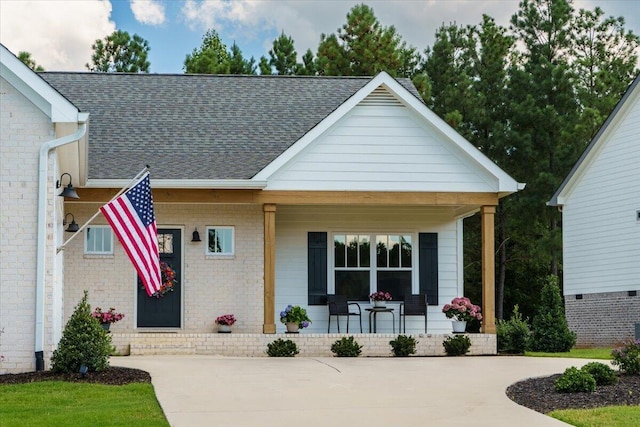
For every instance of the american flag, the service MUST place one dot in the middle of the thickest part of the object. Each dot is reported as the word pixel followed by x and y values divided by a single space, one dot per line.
pixel 133 221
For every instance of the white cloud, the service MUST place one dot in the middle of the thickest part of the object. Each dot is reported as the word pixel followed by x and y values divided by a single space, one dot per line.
pixel 58 34
pixel 415 20
pixel 304 21
pixel 149 12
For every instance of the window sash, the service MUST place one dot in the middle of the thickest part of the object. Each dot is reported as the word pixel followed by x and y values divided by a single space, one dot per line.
pixel 98 240
pixel 220 240
pixel 392 259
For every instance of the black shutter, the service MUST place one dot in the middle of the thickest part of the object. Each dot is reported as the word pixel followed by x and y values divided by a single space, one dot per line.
pixel 428 243
pixel 317 268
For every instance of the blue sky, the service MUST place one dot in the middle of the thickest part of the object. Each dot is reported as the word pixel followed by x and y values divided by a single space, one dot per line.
pixel 59 33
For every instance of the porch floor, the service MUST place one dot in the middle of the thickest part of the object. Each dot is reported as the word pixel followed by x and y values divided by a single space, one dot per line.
pixel 255 345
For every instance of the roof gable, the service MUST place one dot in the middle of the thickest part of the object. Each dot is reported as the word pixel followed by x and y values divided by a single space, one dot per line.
pixel 35 89
pixel 628 101
pixel 383 90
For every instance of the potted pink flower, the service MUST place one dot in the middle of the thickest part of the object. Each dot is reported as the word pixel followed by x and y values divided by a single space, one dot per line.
pixel 380 298
pixel 461 310
pixel 106 318
pixel 225 322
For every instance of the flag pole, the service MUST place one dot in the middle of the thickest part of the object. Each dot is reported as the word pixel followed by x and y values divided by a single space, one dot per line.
pixel 122 190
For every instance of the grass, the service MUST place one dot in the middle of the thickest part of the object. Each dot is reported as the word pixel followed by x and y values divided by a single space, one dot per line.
pixel 576 353
pixel 58 403
pixel 610 416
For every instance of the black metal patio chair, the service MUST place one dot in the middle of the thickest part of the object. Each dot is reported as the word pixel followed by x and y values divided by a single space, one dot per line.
pixel 339 306
pixel 413 305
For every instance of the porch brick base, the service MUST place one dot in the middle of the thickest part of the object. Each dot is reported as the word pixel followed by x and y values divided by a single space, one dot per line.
pixel 255 345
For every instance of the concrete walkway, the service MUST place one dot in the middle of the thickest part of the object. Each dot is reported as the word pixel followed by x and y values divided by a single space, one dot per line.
pixel 217 391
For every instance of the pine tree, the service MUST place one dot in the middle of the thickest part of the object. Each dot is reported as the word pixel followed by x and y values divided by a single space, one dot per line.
pixel 283 55
pixel 83 342
pixel 210 58
pixel 238 64
pixel 551 333
pixel 119 52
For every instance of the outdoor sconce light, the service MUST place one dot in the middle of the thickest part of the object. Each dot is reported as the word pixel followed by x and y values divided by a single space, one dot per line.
pixel 196 236
pixel 68 191
pixel 73 226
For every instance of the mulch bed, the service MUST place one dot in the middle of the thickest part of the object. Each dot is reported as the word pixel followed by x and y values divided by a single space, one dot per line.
pixel 540 395
pixel 111 376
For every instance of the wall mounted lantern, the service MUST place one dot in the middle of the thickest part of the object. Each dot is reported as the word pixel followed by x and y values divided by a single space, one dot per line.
pixel 196 236
pixel 68 191
pixel 73 226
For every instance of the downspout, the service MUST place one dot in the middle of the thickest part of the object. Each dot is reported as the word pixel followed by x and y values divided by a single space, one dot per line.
pixel 41 237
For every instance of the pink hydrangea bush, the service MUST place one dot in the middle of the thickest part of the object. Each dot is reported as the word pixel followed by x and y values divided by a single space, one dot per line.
pixel 461 308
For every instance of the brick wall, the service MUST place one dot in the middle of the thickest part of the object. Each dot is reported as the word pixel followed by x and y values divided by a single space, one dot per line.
pixel 310 345
pixel 602 319
pixel 23 129
pixel 210 286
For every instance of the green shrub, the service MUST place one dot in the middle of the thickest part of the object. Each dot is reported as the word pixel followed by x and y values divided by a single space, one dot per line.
pixel 627 357
pixel 346 347
pixel 282 348
pixel 83 342
pixel 551 333
pixel 513 334
pixel 575 380
pixel 403 346
pixel 603 374
pixel 456 345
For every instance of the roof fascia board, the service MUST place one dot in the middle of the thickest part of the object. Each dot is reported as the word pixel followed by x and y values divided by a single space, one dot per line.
pixel 595 146
pixel 506 184
pixel 34 88
pixel 233 184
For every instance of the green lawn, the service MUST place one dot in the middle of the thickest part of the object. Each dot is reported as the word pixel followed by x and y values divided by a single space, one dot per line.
pixel 578 353
pixel 58 403
pixel 610 416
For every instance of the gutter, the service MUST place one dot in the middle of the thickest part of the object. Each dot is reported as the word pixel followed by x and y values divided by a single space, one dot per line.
pixel 42 230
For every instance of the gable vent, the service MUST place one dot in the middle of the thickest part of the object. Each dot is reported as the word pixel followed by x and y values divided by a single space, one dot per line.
pixel 381 97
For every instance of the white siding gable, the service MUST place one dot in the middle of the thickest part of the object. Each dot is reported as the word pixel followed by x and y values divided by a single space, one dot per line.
pixel 601 231
pixel 381 145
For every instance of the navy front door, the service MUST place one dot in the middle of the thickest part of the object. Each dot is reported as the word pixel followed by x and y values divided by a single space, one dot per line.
pixel 164 312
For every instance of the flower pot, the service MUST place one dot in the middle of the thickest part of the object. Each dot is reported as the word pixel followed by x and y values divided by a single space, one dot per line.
pixel 105 326
pixel 381 304
pixel 292 327
pixel 459 326
pixel 224 329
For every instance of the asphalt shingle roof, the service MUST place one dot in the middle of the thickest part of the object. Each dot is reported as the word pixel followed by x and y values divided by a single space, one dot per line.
pixel 198 126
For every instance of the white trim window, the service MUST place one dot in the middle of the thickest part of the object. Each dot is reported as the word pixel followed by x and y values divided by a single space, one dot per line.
pixel 360 271
pixel 98 240
pixel 220 240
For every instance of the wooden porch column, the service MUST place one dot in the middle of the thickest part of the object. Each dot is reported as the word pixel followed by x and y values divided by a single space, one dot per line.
pixel 269 326
pixel 488 270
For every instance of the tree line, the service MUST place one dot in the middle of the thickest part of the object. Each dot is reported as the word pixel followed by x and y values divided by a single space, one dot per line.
pixel 530 96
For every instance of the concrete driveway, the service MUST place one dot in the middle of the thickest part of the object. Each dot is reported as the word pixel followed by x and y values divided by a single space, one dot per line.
pixel 305 392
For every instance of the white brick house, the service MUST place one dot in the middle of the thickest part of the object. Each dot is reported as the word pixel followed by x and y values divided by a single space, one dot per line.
pixel 289 180
pixel 600 202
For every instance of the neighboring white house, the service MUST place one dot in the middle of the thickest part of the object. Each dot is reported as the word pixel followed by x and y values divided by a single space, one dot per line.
pixel 600 203
pixel 300 187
